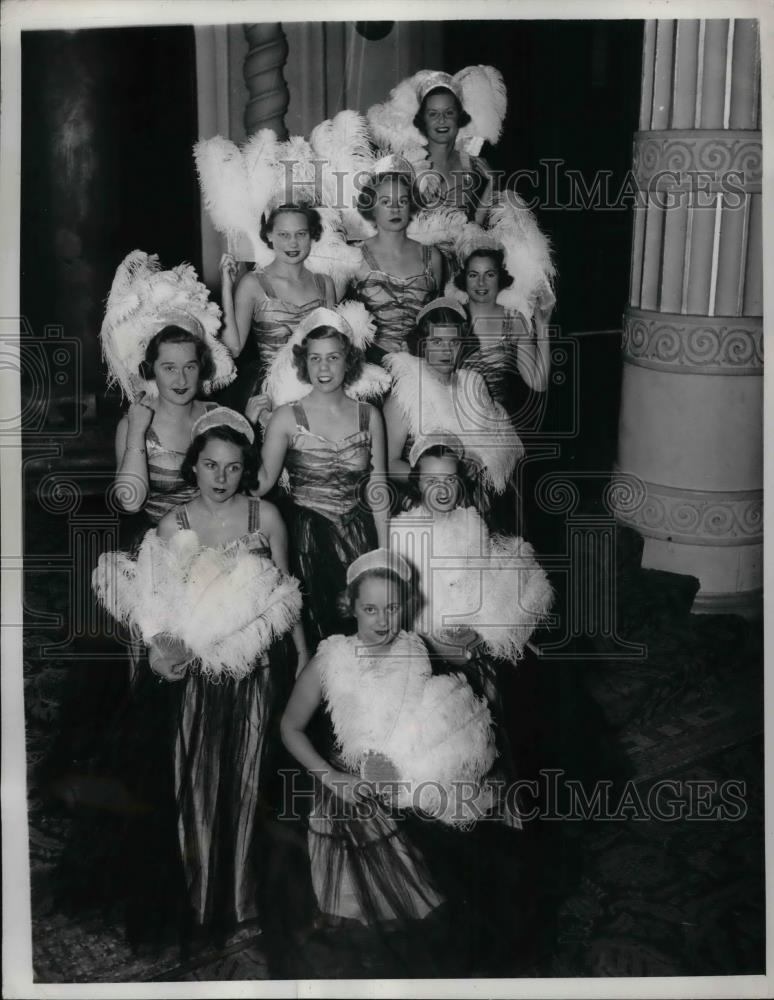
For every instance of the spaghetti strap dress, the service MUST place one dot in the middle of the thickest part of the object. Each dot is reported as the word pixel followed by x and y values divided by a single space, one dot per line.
pixel 394 302
pixel 331 524
pixel 189 763
pixel 272 324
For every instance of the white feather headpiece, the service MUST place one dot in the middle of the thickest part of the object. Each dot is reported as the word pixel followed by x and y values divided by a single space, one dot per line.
pixel 239 186
pixel 479 89
pixel 282 383
pixel 527 256
pixel 143 300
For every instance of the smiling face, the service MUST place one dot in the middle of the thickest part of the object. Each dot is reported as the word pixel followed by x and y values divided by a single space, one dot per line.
pixel 378 610
pixel 439 482
pixel 219 469
pixel 290 237
pixel 326 364
pixel 442 347
pixel 176 372
pixel 482 280
pixel 392 208
pixel 441 117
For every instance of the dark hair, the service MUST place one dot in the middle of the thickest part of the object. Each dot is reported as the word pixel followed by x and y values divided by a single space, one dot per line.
pixel 222 432
pixel 463 118
pixel 354 357
pixel 312 216
pixel 366 199
pixel 442 316
pixel 471 489
pixel 504 279
pixel 177 335
pixel 407 590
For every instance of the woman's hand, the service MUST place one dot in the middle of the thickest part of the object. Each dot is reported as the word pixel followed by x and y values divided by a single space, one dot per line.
pixel 168 658
pixel 229 269
pixel 349 787
pixel 139 416
pixel 258 409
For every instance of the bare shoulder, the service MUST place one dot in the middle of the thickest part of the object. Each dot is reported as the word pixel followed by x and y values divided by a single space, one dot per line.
pixel 167 525
pixel 271 519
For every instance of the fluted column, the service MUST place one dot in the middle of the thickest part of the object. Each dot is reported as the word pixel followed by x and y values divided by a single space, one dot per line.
pixel 691 406
pixel 268 101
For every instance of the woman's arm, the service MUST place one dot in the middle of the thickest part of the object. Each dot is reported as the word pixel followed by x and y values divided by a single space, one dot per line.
pixel 436 264
pixel 397 433
pixel 378 485
pixel 277 534
pixel 486 197
pixel 303 703
pixel 131 480
pixel 533 349
pixel 275 446
pixel 237 306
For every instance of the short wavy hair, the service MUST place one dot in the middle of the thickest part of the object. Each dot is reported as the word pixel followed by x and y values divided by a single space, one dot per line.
pixel 176 335
pixel 366 199
pixel 442 316
pixel 222 432
pixel 353 358
pixel 504 279
pixel 312 216
pixel 463 118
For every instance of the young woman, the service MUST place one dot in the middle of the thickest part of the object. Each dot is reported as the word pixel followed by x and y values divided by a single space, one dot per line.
pixel 399 275
pixel 333 449
pixel 509 350
pixel 158 339
pixel 268 304
pixel 431 392
pixel 491 584
pixel 391 721
pixel 210 594
pixel 153 436
pixel 463 181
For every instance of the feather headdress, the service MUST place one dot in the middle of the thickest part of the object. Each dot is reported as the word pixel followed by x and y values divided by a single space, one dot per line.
pixel 143 300
pixel 480 90
pixel 226 605
pixel 282 383
pixel 240 185
pixel 527 255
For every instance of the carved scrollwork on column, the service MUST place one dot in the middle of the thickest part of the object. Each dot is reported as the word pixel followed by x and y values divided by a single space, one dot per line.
pixel 700 345
pixel 269 97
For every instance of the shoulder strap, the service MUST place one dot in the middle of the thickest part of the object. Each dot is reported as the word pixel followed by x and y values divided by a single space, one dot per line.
pixel 263 281
pixel 427 260
pixel 319 282
pixel 369 257
pixel 299 413
pixel 364 416
pixel 181 516
pixel 253 515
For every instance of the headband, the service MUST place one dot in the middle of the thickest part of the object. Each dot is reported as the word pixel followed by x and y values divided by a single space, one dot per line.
pixel 393 164
pixel 222 416
pixel 433 440
pixel 438 79
pixel 444 302
pixel 379 559
pixel 323 317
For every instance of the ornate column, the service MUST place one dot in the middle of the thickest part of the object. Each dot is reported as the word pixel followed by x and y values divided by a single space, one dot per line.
pixel 691 406
pixel 269 97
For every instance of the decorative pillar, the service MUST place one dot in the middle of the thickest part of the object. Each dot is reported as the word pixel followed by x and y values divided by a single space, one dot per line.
pixel 691 405
pixel 269 97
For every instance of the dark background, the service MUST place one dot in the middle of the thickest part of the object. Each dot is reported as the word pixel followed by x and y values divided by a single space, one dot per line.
pixel 109 119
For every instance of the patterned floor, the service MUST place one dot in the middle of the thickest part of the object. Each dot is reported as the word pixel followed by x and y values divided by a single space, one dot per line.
pixel 617 897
